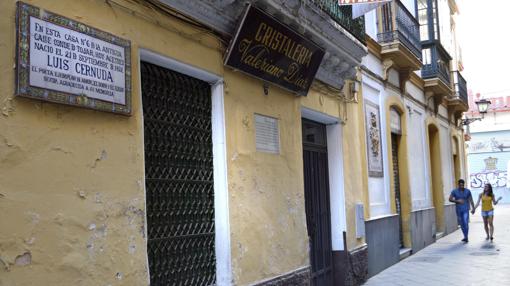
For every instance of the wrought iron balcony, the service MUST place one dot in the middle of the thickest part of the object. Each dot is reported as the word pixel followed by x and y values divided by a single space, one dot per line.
pixel 436 62
pixel 460 86
pixel 343 16
pixel 399 25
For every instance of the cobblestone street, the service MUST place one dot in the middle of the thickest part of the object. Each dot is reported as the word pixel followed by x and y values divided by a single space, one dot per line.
pixel 451 262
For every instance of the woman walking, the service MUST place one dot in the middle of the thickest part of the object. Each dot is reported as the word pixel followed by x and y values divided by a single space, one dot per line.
pixel 487 198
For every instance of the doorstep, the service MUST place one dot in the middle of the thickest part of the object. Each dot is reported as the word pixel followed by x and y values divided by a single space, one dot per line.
pixel 439 235
pixel 404 253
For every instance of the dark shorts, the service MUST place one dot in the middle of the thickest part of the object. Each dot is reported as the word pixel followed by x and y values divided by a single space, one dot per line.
pixel 488 213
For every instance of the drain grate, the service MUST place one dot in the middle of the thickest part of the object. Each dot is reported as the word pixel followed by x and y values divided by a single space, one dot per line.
pixel 427 259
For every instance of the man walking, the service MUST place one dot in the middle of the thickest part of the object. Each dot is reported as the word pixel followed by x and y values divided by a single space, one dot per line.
pixel 463 199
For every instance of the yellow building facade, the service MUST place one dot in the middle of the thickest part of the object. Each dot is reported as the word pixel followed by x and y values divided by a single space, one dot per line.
pixel 76 194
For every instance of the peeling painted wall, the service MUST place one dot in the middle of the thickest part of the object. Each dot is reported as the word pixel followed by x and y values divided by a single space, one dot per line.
pixel 268 220
pixel 72 180
pixel 267 213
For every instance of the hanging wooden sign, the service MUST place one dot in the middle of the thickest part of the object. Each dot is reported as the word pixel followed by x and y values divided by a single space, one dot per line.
pixel 271 51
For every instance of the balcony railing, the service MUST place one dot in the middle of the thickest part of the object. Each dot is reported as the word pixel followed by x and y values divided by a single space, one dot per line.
pixel 343 16
pixel 436 62
pixel 460 86
pixel 398 24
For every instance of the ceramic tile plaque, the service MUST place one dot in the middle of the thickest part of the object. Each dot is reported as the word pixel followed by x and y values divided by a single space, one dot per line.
pixel 374 148
pixel 64 61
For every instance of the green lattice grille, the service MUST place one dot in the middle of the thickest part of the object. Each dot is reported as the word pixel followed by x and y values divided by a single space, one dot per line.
pixel 179 177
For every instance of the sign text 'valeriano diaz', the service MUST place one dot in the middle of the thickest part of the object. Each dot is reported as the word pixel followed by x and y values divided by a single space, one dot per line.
pixel 269 50
pixel 65 61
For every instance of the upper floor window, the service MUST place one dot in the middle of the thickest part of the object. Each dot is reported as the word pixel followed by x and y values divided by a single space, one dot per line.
pixel 426 56
pixel 427 17
pixel 435 25
pixel 423 19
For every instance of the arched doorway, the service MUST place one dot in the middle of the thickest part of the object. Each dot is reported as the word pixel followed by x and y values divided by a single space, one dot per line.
pixel 436 177
pixel 389 237
pixel 396 135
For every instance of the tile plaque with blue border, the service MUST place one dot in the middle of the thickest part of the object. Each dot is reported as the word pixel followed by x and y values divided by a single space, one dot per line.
pixel 64 61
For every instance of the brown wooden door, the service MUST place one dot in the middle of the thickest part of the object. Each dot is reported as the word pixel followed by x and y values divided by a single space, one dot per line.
pixel 396 175
pixel 317 203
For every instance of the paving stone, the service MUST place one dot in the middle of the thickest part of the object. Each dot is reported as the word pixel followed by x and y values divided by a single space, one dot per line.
pixel 451 262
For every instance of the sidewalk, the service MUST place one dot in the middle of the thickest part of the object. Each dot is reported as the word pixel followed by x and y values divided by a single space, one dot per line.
pixel 451 262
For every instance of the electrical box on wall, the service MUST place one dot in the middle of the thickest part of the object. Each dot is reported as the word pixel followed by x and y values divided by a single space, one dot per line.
pixel 360 220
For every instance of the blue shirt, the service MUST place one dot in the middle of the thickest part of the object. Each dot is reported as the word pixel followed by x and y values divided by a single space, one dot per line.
pixel 464 195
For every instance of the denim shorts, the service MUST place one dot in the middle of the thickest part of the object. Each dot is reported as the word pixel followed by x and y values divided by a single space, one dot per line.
pixel 488 213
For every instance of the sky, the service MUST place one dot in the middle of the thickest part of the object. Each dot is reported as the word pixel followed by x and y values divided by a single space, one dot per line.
pixel 485 43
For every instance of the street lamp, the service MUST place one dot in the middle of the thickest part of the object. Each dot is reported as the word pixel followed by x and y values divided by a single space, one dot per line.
pixel 483 106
